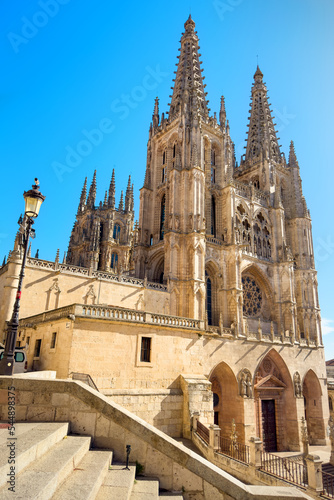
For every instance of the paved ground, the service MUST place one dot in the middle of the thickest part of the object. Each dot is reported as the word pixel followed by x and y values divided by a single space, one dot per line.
pixel 324 452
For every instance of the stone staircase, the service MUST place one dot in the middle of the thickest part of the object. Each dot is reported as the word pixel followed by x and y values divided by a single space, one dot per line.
pixel 50 464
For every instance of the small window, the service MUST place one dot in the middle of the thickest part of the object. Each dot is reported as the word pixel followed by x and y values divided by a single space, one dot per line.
pixel 28 340
pixel 37 348
pixel 19 357
pixel 174 151
pixel 145 353
pixel 163 176
pixel 53 340
pixel 330 403
pixel 164 158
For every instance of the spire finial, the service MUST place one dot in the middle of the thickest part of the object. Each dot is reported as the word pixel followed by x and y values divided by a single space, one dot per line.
pixel 82 202
pixel 121 205
pixel 112 191
pixel 92 192
pixel 155 117
pixel 293 162
pixel 222 112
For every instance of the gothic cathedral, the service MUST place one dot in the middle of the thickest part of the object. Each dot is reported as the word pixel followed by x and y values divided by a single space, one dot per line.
pixel 214 290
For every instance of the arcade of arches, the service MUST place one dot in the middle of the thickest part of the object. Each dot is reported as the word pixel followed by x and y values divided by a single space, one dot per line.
pixel 278 399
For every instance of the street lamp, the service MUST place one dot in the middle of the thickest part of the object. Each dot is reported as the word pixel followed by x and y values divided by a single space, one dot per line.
pixel 33 201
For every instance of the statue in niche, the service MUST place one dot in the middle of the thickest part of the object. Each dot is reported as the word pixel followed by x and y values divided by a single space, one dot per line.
pixel 298 386
pixel 249 391
pixel 243 385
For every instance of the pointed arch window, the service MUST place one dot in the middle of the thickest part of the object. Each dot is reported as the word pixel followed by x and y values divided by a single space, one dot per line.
pixel 114 260
pixel 213 166
pixel 164 165
pixel 162 217
pixel 116 232
pixel 213 216
pixel 208 298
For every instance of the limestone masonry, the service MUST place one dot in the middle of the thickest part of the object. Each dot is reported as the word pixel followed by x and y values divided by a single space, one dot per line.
pixel 209 304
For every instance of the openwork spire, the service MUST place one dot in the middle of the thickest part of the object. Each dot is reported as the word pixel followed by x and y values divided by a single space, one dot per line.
pixel 92 192
pixel 112 191
pixel 189 88
pixel 262 139
pixel 83 196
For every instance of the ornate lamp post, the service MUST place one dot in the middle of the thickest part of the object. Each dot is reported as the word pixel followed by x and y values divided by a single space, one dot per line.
pixel 33 201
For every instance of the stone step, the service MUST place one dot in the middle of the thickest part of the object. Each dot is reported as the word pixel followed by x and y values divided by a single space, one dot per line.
pixel 40 480
pixel 118 483
pixel 31 442
pixel 145 489
pixel 171 496
pixel 86 478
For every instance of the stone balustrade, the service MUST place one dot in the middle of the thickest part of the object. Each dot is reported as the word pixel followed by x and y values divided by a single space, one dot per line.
pixel 103 275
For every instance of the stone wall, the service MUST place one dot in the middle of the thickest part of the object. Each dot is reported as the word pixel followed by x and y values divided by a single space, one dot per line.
pixel 161 408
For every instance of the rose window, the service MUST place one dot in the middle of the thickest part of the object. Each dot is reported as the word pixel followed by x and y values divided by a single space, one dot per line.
pixel 252 296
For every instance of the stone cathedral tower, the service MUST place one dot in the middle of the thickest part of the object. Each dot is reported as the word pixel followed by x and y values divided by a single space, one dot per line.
pixel 189 155
pixel 102 236
pixel 233 243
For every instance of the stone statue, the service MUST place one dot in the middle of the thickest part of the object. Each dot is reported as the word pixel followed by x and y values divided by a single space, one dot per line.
pixel 298 386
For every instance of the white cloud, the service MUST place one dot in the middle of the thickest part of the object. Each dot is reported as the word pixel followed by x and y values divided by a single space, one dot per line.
pixel 326 326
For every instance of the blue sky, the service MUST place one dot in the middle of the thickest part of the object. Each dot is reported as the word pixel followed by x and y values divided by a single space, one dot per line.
pixel 77 71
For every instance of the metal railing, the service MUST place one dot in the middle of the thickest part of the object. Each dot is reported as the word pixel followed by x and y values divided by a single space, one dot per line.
pixel 284 468
pixel 85 378
pixel 328 485
pixel 203 432
pixel 235 450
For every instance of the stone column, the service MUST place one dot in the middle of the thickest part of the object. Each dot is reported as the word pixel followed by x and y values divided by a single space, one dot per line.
pixel 195 420
pixel 255 448
pixel 314 473
pixel 197 398
pixel 214 437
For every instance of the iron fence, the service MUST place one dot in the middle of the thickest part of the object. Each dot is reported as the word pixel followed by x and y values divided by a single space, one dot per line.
pixel 235 450
pixel 203 432
pixel 328 485
pixel 284 468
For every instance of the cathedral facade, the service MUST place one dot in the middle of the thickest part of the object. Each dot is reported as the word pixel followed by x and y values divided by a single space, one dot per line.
pixel 213 291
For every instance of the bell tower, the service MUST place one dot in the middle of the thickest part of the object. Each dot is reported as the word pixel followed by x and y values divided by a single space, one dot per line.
pixel 189 160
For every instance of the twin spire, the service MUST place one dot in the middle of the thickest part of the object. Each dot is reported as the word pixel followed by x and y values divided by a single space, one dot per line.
pixel 188 88
pixel 261 140
pixel 109 199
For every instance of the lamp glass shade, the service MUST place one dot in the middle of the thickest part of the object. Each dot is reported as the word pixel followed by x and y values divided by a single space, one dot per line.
pixel 33 204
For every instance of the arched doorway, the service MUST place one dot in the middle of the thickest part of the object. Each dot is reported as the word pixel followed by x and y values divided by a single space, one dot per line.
pixel 313 409
pixel 228 404
pixel 275 403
